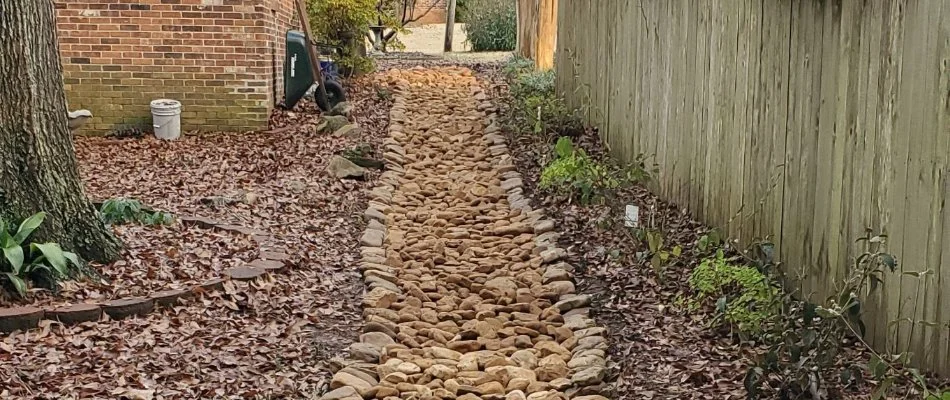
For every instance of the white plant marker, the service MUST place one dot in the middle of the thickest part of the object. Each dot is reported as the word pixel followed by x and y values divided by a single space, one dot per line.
pixel 632 219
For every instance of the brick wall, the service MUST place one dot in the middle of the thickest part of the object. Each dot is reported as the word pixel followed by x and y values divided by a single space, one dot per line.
pixel 221 58
pixel 436 14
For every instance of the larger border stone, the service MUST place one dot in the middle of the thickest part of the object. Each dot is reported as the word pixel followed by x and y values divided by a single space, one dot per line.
pixel 124 308
pixel 19 318
pixel 168 298
pixel 200 222
pixel 244 273
pixel 267 265
pixel 240 229
pixel 209 285
pixel 275 256
pixel 75 313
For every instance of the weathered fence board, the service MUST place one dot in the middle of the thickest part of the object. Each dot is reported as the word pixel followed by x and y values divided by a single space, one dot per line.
pixel 801 121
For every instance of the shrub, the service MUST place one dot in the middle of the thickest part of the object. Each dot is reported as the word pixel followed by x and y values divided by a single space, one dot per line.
pixel 574 174
pixel 341 23
pixel 122 211
pixel 744 297
pixel 517 65
pixel 461 10
pixel 490 25
pixel 43 264
pixel 537 108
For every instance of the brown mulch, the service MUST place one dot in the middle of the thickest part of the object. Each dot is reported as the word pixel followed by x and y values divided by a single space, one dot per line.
pixel 659 350
pixel 270 338
pixel 659 353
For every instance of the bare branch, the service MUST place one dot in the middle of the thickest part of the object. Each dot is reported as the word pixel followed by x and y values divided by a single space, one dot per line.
pixel 411 20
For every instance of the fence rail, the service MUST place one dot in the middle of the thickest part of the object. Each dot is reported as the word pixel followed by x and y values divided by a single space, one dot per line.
pixel 810 120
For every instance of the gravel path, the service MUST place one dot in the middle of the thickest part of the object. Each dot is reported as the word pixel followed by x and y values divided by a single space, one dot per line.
pixel 468 297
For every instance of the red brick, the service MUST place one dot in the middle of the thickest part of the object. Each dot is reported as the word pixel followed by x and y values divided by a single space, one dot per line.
pixel 226 59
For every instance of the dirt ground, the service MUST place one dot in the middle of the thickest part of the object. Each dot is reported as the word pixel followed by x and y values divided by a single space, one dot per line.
pixel 430 39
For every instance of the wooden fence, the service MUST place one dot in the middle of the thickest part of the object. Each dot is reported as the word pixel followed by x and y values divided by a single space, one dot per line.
pixel 810 120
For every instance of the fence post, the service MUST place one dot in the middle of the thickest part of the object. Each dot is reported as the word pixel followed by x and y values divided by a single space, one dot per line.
pixel 449 26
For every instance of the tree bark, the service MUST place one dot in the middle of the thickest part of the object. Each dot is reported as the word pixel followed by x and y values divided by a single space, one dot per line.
pixel 38 170
pixel 537 31
pixel 547 35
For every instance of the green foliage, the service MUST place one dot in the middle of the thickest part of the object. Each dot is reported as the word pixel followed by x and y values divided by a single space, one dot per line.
pixel 576 175
pixel 805 339
pixel 491 25
pixel 461 10
pixel 660 256
pixel 529 82
pixel 744 297
pixel 517 65
pixel 709 241
pixel 342 24
pixel 122 211
pixel 537 108
pixel 44 264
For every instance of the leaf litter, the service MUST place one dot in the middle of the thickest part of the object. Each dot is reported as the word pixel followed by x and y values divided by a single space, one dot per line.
pixel 269 338
pixel 658 351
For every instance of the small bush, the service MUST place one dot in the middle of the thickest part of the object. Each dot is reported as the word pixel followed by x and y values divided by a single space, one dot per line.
pixel 537 107
pixel 744 297
pixel 341 23
pixel 43 264
pixel 461 10
pixel 517 65
pixel 574 174
pixel 122 211
pixel 490 25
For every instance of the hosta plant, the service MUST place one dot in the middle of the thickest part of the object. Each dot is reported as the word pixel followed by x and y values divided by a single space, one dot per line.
pixel 23 262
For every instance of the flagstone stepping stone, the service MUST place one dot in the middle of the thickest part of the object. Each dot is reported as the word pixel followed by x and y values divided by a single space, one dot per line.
pixel 168 298
pixel 19 318
pixel 267 265
pixel 244 273
pixel 75 313
pixel 124 308
pixel 210 285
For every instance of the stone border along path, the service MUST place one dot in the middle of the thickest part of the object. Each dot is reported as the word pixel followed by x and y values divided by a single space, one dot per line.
pixel 467 296
pixel 270 259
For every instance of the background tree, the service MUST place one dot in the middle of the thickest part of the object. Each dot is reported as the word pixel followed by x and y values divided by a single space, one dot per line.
pixel 38 169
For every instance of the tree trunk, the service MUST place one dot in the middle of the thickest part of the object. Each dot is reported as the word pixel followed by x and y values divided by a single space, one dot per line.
pixel 38 169
pixel 537 31
pixel 547 35
pixel 527 28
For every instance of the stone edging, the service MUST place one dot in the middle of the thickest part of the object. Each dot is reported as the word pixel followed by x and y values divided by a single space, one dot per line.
pixel 270 260
pixel 588 343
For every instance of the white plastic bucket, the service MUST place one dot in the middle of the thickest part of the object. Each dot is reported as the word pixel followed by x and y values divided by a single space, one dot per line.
pixel 166 118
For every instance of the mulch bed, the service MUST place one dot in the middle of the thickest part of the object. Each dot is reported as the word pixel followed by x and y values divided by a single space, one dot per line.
pixel 272 336
pixel 660 351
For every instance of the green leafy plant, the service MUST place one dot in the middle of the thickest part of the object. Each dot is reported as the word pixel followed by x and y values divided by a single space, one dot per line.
pixel 805 338
pixel 536 108
pixel 660 256
pixel 709 241
pixel 744 297
pixel 576 175
pixel 44 264
pixel 517 65
pixel 342 24
pixel 490 25
pixel 121 211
